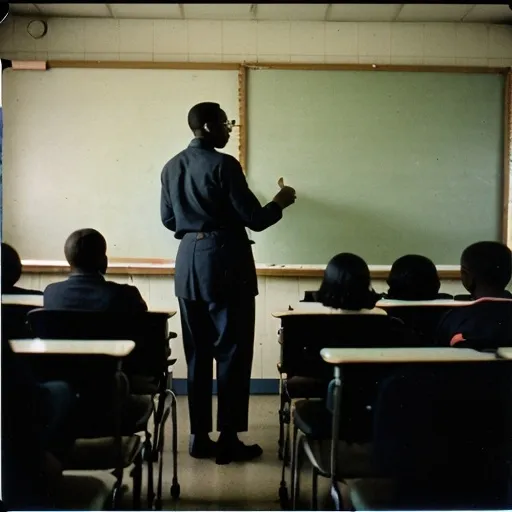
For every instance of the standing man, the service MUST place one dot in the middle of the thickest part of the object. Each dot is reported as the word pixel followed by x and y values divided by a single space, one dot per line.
pixel 207 203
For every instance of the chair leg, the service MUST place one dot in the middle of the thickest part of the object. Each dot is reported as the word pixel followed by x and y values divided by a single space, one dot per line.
pixel 284 499
pixel 294 460
pixel 299 460
pixel 336 497
pixel 175 487
pixel 158 425
pixel 282 420
pixel 137 482
pixel 287 421
pixel 149 459
pixel 314 489
pixel 160 456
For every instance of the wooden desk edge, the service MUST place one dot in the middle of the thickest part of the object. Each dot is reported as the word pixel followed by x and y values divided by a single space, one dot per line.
pixel 158 268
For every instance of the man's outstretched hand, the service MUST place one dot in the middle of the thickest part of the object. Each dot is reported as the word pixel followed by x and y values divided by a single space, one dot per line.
pixel 286 196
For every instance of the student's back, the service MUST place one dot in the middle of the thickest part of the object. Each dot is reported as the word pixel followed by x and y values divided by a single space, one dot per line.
pixel 487 323
pixel 92 292
pixel 486 269
pixel 86 288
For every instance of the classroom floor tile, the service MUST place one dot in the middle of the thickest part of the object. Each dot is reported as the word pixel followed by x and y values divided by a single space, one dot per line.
pixel 237 486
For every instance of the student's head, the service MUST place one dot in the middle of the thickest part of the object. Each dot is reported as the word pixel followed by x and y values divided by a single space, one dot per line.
pixel 209 121
pixel 346 284
pixel 86 251
pixel 11 267
pixel 413 277
pixel 486 269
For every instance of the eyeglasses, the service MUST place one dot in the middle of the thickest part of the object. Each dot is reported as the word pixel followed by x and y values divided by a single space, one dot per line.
pixel 229 125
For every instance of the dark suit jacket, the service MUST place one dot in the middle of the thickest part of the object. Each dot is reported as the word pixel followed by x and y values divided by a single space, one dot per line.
pixel 207 202
pixel 91 292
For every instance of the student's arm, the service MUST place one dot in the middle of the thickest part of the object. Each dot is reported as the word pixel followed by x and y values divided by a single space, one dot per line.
pixel 166 211
pixel 246 205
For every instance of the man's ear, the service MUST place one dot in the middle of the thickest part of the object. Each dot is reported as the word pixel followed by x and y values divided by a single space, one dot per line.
pixel 206 128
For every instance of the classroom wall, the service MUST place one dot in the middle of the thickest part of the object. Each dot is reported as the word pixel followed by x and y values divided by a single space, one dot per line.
pixel 232 41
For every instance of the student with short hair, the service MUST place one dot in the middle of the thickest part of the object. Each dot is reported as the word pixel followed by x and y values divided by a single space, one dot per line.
pixel 11 273
pixel 86 288
pixel 346 286
pixel 486 270
pixel 414 277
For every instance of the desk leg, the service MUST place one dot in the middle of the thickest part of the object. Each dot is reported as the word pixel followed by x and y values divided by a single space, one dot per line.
pixel 335 491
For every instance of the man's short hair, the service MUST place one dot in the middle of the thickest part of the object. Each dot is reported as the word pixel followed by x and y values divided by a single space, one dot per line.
pixel 490 263
pixel 203 113
pixel 85 249
pixel 11 266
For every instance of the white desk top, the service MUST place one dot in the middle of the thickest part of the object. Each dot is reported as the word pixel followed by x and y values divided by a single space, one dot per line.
pixel 505 352
pixel 23 300
pixel 438 302
pixel 404 355
pixel 315 308
pixel 115 348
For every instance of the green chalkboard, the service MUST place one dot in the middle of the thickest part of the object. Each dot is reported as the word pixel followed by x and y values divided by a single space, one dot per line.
pixel 384 163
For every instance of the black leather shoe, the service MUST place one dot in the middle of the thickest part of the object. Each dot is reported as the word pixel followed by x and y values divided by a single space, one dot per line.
pixel 237 452
pixel 202 447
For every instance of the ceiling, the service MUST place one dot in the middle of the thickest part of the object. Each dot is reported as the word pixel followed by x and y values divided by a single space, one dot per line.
pixel 468 13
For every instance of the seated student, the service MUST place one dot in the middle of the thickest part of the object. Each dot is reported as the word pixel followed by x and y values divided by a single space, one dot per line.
pixel 36 434
pixel 11 273
pixel 486 269
pixel 414 277
pixel 346 286
pixel 86 288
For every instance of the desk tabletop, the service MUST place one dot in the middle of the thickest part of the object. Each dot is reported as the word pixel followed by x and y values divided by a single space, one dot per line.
pixel 23 300
pixel 315 308
pixel 114 348
pixel 423 303
pixel 404 355
pixel 505 352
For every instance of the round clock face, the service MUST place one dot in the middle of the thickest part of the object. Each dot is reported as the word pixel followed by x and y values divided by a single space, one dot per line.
pixel 37 29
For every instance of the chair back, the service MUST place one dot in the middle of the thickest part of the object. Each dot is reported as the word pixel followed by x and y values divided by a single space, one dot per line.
pixel 14 321
pixel 148 330
pixel 309 296
pixel 444 433
pixel 463 297
pixel 422 319
pixel 303 336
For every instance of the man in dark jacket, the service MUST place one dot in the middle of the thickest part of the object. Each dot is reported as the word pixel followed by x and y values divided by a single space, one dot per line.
pixel 86 288
pixel 207 203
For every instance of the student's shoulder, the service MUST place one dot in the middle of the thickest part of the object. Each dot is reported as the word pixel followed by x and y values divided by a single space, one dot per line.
pixel 127 292
pixel 122 288
pixel 52 287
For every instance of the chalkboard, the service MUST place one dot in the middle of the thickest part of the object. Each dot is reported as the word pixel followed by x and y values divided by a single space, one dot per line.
pixel 384 163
